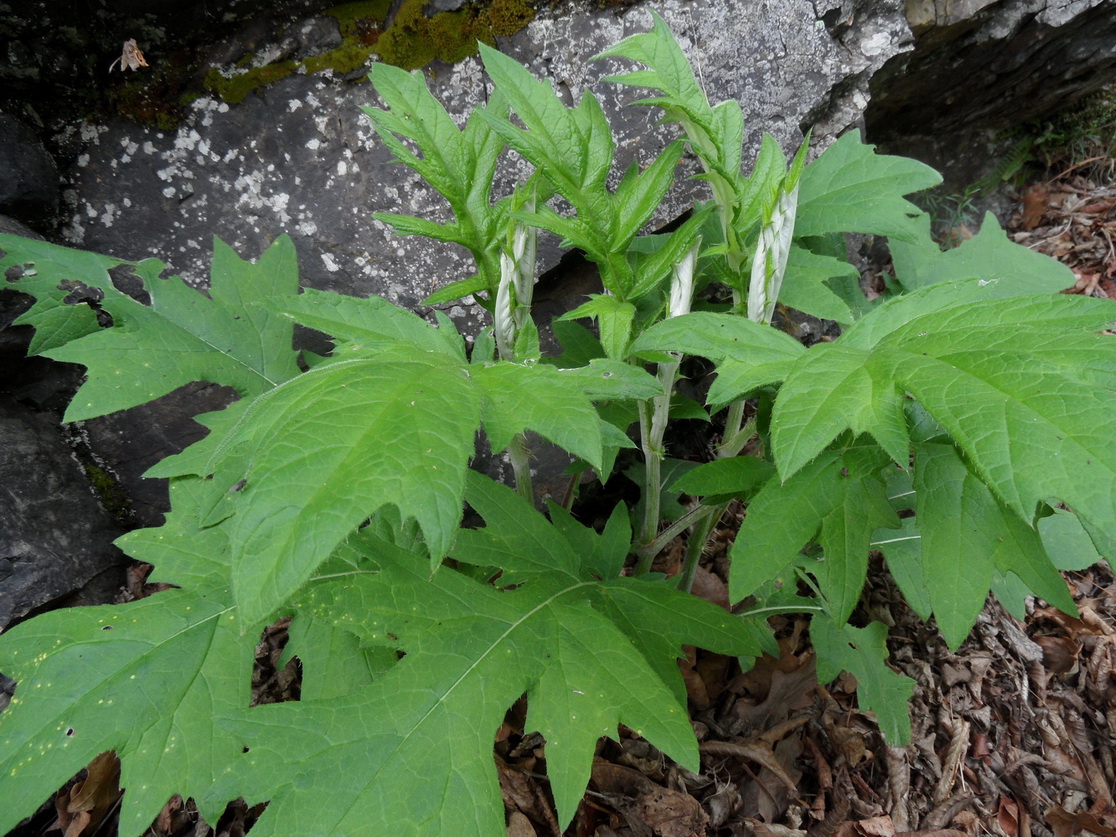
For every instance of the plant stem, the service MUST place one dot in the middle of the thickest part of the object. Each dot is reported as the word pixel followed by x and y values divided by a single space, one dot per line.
pixel 648 552
pixel 651 490
pixel 735 436
pixel 730 441
pixel 653 418
pixel 521 467
pixel 695 547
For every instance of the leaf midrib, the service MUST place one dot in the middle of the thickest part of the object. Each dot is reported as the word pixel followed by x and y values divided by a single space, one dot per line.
pixel 441 700
pixel 1067 438
pixel 129 666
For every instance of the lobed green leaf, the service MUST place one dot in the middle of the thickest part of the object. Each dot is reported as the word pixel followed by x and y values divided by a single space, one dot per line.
pixel 325 451
pixel 967 535
pixel 363 323
pixel 863 653
pixel 849 188
pixel 182 337
pixel 804 285
pixel 832 389
pixel 429 720
pixel 167 664
pixel 990 253
pixel 414 113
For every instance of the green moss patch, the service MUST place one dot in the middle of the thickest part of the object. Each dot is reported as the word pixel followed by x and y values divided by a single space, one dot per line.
pixel 412 41
pixel 237 88
pixel 112 496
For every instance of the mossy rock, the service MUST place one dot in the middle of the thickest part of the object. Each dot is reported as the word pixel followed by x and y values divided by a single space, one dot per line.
pixel 236 89
pixel 108 490
pixel 412 41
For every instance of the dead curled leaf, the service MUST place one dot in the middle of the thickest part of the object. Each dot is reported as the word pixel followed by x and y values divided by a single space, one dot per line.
pixel 520 826
pixel 649 808
pixel 756 750
pixel 83 807
pixel 1066 824
pixel 876 827
pixel 1034 205
pixel 1059 653
pixel 1007 816
pixel 523 796
pixel 765 829
pixel 131 58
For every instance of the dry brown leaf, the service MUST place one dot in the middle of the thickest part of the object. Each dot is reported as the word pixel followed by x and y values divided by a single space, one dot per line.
pixel 710 587
pixel 520 826
pixel 647 807
pixel 612 778
pixel 714 670
pixel 951 764
pixel 1007 815
pixel 83 808
pixel 722 804
pixel 1065 824
pixel 821 764
pixel 1034 205
pixel 1096 624
pixel 968 821
pixel 131 57
pixel 522 794
pixel 165 823
pixel 849 744
pixel 1059 653
pixel 784 687
pixel 673 814
pixel 638 753
pixel 695 685
pixel 898 785
pixel 876 827
pixel 756 750
pixel 956 236
pixel 764 829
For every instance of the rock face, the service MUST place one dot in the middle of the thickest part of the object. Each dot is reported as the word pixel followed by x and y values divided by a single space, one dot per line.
pixel 28 175
pixel 56 538
pixel 988 65
pixel 298 155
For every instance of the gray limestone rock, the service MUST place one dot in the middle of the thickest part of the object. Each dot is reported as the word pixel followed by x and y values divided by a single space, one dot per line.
pixel 982 67
pixel 126 444
pixel 29 187
pixel 54 536
pixel 299 156
pixel 11 226
pixel 446 5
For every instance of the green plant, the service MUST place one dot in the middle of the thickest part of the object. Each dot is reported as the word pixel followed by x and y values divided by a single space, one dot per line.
pixel 1081 137
pixel 950 427
pixel 950 211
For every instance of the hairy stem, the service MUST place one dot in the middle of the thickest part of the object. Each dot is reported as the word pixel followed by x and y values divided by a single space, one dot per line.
pixel 652 487
pixel 647 553
pixel 695 546
pixel 653 416
pixel 521 467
